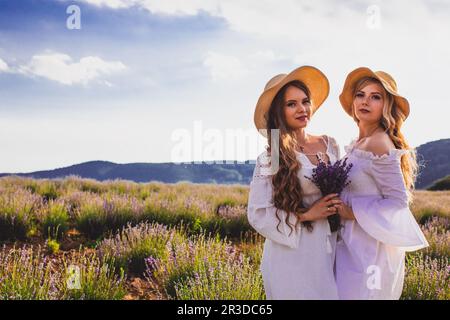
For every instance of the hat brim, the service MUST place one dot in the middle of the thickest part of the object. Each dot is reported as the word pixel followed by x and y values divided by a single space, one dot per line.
pixel 312 77
pixel 346 97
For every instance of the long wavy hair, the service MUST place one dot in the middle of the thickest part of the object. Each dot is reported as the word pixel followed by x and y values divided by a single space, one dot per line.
pixel 392 121
pixel 287 192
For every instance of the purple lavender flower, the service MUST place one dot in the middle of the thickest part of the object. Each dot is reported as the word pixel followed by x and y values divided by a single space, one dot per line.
pixel 151 263
pixel 331 178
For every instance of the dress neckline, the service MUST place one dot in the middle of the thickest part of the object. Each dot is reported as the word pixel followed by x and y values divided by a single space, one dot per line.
pixel 327 152
pixel 364 154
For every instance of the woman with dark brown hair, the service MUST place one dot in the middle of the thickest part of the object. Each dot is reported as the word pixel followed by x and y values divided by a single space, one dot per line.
pixel 284 206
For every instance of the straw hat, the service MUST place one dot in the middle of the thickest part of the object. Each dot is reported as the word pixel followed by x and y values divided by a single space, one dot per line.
pixel 313 78
pixel 389 84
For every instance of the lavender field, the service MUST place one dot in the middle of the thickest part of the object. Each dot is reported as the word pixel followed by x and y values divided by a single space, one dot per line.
pixel 161 241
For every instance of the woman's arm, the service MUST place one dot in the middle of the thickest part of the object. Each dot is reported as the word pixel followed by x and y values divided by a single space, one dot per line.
pixel 261 212
pixel 386 216
pixel 321 209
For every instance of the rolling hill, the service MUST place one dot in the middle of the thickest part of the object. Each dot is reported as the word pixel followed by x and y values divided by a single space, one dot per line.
pixel 433 157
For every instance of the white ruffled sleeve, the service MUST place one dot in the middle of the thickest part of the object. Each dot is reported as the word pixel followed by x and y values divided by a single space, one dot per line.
pixel 388 218
pixel 261 211
pixel 334 147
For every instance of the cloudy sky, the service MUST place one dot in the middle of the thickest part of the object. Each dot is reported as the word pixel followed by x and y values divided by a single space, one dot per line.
pixel 177 80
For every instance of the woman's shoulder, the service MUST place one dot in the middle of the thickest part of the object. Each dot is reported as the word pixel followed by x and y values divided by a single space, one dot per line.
pixel 379 149
pixel 379 144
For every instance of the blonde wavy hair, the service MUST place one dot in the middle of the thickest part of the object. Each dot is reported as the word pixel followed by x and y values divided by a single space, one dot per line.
pixel 392 121
pixel 287 192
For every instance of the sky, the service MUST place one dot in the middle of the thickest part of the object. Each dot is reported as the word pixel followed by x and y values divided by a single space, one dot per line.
pixel 178 80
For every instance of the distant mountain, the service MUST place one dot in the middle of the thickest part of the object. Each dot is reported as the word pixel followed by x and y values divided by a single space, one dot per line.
pixel 434 159
pixel 237 173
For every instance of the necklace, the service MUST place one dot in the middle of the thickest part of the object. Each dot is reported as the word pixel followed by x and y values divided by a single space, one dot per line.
pixel 302 146
pixel 319 155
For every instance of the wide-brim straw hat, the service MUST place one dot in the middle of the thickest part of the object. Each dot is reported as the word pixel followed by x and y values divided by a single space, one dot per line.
pixel 388 83
pixel 313 78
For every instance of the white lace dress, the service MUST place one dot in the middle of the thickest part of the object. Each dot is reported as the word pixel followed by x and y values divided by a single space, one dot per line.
pixel 300 265
pixel 370 257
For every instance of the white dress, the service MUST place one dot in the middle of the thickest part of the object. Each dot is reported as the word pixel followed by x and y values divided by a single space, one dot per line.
pixel 370 257
pixel 300 265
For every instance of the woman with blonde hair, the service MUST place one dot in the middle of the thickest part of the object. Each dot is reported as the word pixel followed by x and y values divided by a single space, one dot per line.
pixel 378 226
pixel 284 206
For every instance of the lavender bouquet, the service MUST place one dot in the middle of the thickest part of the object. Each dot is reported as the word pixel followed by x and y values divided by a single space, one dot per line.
pixel 331 178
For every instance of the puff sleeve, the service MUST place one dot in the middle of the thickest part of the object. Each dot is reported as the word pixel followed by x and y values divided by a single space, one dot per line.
pixel 386 216
pixel 261 211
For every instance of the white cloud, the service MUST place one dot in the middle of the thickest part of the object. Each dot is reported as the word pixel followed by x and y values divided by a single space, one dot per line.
pixel 290 18
pixel 181 7
pixel 270 37
pixel 3 66
pixel 59 67
pixel 267 56
pixel 224 67
pixel 115 4
pixel 167 7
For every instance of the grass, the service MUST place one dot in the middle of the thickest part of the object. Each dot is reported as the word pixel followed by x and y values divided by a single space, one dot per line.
pixel 426 278
pixel 97 279
pixel 27 274
pixel 427 204
pixel 185 241
pixel 17 213
pixel 202 267
pixel 55 220
pixel 132 245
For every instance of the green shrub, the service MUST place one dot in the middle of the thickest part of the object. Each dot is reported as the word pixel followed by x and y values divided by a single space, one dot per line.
pixel 17 213
pixel 133 245
pixel 26 275
pixel 55 220
pixel 88 277
pixel 48 190
pixel 426 278
pixel 441 184
pixel 52 246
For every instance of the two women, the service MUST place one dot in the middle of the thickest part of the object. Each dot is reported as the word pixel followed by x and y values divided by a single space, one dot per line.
pixel 301 259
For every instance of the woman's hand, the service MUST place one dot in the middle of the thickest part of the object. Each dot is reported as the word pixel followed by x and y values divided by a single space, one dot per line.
pixel 345 211
pixel 322 208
